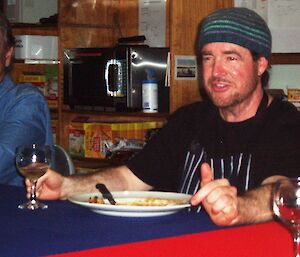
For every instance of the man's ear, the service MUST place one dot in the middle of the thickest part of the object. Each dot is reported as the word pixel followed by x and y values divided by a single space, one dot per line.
pixel 262 65
pixel 8 56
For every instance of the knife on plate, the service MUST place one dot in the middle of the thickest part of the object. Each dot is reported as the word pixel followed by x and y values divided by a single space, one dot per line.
pixel 106 193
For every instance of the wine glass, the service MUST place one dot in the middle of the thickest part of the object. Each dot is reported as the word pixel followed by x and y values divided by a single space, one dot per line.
pixel 286 206
pixel 32 162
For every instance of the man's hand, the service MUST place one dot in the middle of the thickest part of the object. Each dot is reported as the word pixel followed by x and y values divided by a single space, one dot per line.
pixel 49 186
pixel 218 198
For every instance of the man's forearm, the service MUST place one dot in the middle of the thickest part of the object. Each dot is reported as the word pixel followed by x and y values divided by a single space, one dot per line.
pixel 255 206
pixel 115 178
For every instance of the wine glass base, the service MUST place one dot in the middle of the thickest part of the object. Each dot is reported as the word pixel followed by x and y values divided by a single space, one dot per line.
pixel 32 206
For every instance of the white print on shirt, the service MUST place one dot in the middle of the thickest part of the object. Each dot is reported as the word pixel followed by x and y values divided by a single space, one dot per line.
pixel 231 168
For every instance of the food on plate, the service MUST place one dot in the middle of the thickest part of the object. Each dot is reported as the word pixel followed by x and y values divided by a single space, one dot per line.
pixel 149 201
pixel 96 199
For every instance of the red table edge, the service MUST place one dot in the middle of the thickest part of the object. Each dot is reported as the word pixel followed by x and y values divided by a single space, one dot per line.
pixel 260 240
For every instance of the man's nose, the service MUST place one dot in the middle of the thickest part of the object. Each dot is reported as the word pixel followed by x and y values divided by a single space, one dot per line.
pixel 218 68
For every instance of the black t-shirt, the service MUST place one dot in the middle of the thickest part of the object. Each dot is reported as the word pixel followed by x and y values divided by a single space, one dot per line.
pixel 244 152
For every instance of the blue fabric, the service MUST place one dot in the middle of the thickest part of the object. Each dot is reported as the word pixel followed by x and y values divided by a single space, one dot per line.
pixel 66 227
pixel 240 26
pixel 24 119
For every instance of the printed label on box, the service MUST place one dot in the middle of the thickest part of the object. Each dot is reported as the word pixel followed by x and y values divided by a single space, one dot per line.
pixel 76 140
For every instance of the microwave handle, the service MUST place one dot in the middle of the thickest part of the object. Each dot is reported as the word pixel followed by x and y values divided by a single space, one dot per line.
pixel 112 90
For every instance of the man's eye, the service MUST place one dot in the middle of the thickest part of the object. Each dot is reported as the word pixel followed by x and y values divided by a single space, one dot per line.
pixel 206 58
pixel 231 58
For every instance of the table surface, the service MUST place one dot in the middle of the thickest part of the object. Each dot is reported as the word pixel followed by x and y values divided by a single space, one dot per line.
pixel 66 229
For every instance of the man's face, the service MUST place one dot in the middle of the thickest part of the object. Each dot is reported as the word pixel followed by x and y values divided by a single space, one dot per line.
pixel 5 57
pixel 231 76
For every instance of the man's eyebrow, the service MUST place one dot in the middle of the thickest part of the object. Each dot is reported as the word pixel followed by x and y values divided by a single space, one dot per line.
pixel 232 52
pixel 226 52
pixel 206 52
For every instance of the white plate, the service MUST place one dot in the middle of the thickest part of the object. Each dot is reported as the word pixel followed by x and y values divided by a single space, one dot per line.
pixel 131 210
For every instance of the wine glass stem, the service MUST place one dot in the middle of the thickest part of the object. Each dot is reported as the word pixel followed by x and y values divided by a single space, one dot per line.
pixel 33 193
pixel 297 244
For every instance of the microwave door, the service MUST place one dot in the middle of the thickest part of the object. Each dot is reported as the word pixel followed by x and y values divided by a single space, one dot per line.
pixel 149 63
pixel 84 78
pixel 87 79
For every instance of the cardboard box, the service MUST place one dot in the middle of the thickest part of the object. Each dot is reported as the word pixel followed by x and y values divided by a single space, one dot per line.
pixel 47 83
pixel 37 80
pixel 51 87
pixel 76 139
pixel 294 95
pixel 34 47
pixel 99 136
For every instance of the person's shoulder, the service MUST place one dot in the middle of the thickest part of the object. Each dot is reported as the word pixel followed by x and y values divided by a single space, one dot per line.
pixel 12 90
pixel 27 90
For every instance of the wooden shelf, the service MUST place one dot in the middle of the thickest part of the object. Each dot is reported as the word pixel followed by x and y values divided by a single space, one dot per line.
pixel 285 58
pixel 89 26
pixel 117 114
pixel 35 62
pixel 35 29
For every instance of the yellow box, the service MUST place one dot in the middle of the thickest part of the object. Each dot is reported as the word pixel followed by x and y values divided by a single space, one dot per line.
pixel 100 135
pixel 293 94
pixel 96 137
pixel 32 78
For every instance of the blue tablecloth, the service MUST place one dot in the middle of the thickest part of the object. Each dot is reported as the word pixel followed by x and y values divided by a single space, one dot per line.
pixel 66 227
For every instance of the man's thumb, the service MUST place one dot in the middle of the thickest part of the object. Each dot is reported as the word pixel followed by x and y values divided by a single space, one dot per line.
pixel 206 174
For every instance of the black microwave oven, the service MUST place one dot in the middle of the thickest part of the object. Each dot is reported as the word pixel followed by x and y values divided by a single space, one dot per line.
pixel 110 79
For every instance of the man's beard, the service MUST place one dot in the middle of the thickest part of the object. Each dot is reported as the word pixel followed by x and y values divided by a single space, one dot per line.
pixel 220 102
pixel 233 98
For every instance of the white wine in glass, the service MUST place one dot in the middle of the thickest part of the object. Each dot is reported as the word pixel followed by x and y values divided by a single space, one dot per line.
pixel 286 206
pixel 32 162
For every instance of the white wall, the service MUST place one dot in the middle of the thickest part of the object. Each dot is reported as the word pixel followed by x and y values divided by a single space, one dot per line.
pixel 283 76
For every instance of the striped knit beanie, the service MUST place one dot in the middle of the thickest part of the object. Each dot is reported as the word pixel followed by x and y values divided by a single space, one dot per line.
pixel 239 26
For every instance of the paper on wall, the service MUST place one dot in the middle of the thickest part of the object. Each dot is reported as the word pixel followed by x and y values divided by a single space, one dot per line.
pixel 152 22
pixel 283 18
